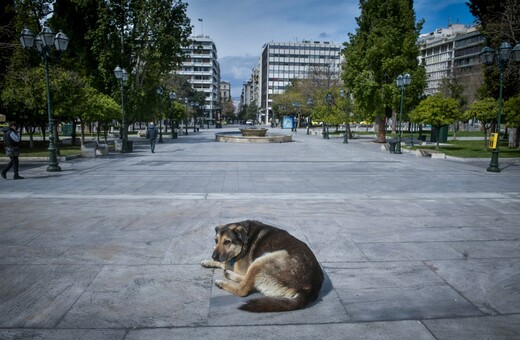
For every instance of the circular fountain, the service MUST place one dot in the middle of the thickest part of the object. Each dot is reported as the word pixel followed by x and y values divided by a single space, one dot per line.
pixel 252 135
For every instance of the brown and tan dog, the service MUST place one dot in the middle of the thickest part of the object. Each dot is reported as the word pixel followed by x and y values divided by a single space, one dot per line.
pixel 256 256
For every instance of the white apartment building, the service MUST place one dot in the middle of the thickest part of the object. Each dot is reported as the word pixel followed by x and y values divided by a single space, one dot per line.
pixel 202 71
pixel 225 90
pixel 281 62
pixel 446 51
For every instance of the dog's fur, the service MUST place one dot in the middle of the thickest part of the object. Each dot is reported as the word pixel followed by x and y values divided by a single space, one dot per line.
pixel 256 256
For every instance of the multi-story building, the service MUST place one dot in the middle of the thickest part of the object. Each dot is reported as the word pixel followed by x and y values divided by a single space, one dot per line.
pixel 225 90
pixel 450 53
pixel 202 71
pixel 282 62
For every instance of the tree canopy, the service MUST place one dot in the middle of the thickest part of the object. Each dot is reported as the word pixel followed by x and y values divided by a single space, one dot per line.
pixel 383 46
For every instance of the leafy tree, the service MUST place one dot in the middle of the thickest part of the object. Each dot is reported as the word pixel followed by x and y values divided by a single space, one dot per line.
pixel 436 111
pixel 512 115
pixel 383 46
pixel 486 111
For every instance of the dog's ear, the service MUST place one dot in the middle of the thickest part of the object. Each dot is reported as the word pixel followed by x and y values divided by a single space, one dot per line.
pixel 217 228
pixel 241 232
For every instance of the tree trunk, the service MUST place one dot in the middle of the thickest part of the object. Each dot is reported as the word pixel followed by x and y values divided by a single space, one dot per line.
pixel 514 138
pixel 381 129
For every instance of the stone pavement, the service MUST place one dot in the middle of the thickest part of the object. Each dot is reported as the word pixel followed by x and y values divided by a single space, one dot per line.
pixel 109 248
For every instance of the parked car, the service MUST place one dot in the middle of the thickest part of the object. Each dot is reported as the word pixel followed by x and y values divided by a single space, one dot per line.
pixel 250 122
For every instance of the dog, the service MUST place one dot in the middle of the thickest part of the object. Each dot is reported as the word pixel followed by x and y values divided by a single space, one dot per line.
pixel 257 256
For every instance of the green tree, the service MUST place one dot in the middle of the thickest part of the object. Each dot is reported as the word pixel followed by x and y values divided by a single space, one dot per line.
pixel 436 111
pixel 486 111
pixel 512 115
pixel 383 46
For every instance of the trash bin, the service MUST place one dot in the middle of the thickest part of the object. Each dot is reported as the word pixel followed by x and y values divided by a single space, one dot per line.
pixel 391 145
pixel 443 134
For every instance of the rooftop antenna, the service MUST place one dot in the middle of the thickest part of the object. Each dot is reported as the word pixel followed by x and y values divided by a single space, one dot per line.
pixel 201 27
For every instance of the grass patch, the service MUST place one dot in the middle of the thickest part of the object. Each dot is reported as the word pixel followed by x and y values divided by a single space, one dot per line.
pixel 40 149
pixel 471 149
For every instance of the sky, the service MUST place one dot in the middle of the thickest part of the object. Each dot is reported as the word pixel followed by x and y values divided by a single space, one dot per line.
pixel 240 28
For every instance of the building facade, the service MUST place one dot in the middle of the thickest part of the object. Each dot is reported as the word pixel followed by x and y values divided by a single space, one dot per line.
pixel 202 70
pixel 451 53
pixel 225 90
pixel 281 62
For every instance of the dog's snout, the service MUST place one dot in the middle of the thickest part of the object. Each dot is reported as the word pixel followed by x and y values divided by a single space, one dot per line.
pixel 215 256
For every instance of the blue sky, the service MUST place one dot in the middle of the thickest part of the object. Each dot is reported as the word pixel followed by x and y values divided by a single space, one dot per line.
pixel 240 28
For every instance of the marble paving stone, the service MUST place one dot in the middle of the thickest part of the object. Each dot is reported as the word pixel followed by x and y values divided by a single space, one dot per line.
pixel 62 334
pixel 488 249
pixel 491 284
pixel 405 303
pixel 224 309
pixel 405 251
pixel 39 296
pixel 500 327
pixel 143 296
pixel 405 330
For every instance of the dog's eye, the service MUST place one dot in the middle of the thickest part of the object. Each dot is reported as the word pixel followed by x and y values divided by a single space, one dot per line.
pixel 227 242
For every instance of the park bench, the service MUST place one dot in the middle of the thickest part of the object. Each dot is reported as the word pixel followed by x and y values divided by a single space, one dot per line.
pixel 92 149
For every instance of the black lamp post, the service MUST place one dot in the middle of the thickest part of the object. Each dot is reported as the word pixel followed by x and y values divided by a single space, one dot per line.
pixel 329 99
pixel 402 82
pixel 44 41
pixel 173 96
pixel 344 94
pixel 160 93
pixel 122 76
pixel 310 102
pixel 502 57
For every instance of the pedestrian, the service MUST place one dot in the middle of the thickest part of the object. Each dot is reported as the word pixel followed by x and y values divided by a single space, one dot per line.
pixel 151 134
pixel 12 150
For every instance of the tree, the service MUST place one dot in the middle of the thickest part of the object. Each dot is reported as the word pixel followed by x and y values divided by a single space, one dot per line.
pixel 383 47
pixel 512 115
pixel 486 111
pixel 436 111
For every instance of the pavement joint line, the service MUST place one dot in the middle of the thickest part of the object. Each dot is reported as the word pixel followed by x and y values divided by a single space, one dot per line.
pixel 255 196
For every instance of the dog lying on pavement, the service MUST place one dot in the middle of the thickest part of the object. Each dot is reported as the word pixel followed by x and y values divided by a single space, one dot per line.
pixel 256 256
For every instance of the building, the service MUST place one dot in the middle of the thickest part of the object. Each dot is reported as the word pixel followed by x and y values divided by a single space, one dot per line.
pixel 225 90
pixel 281 62
pixel 450 53
pixel 202 70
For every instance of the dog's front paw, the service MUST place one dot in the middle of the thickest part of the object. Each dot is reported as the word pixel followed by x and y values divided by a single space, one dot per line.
pixel 219 284
pixel 206 264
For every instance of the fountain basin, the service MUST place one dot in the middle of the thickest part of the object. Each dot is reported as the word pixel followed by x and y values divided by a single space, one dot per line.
pixel 237 137
pixel 259 132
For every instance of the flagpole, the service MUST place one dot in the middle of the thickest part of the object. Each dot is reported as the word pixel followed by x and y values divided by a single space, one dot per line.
pixel 201 26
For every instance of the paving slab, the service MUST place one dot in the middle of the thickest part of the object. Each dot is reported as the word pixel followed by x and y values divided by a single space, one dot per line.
pixel 110 248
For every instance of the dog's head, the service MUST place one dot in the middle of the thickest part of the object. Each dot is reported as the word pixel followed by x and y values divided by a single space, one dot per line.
pixel 230 239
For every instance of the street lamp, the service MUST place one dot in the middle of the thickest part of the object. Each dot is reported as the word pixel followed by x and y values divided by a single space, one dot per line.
pixel 310 102
pixel 122 76
pixel 344 94
pixel 402 82
pixel 160 93
pixel 329 99
pixel 502 56
pixel 173 96
pixel 43 42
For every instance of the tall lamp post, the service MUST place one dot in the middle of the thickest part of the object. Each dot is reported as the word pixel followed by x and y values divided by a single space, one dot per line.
pixel 310 102
pixel 160 93
pixel 173 96
pixel 329 99
pixel 402 82
pixel 344 94
pixel 502 57
pixel 122 76
pixel 44 41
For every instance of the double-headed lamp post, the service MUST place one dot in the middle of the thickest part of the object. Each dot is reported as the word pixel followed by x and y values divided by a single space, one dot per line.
pixel 502 57
pixel 160 93
pixel 402 82
pixel 344 94
pixel 43 42
pixel 173 96
pixel 122 76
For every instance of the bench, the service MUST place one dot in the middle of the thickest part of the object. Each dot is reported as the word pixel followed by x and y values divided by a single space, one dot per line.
pixel 91 149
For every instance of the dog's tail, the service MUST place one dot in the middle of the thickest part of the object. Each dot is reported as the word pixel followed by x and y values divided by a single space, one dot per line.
pixel 273 304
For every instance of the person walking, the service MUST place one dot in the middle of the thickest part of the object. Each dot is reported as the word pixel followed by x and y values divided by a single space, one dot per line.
pixel 151 134
pixel 12 150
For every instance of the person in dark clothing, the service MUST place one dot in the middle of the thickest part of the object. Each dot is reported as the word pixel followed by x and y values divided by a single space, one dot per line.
pixel 12 150
pixel 151 134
